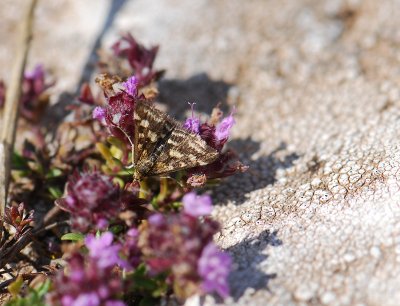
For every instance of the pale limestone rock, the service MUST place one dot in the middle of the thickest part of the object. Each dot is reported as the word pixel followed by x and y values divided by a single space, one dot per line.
pixel 315 220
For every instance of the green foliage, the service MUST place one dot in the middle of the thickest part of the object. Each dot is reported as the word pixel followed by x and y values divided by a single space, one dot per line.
pixel 55 192
pixel 19 162
pixel 73 237
pixel 35 297
pixel 151 288
pixel 53 173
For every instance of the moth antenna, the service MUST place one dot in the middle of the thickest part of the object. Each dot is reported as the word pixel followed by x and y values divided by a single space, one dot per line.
pixel 132 146
pixel 192 107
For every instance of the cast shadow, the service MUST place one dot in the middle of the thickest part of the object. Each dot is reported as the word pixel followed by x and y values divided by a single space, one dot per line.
pixel 207 93
pixel 58 111
pixel 88 69
pixel 199 88
pixel 261 173
pixel 247 257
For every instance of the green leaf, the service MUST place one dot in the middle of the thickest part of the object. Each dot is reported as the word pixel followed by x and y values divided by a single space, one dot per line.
pixel 55 192
pixel 116 142
pixel 53 173
pixel 116 229
pixel 176 205
pixel 154 286
pixel 15 286
pixel 44 288
pixel 19 162
pixel 73 237
pixel 119 181
pixel 34 298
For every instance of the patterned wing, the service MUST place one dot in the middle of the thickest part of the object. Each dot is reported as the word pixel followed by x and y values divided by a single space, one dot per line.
pixel 151 127
pixel 183 150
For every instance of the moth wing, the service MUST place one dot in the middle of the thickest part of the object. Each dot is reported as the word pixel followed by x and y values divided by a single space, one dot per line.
pixel 183 150
pixel 151 127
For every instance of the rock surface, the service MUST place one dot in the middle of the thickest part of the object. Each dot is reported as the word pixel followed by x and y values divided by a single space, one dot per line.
pixel 316 219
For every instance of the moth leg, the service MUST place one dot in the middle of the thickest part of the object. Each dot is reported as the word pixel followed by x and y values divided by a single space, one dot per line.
pixel 165 176
pixel 132 146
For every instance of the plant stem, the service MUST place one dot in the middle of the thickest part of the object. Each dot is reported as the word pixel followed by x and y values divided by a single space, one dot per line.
pixel 163 189
pixel 11 108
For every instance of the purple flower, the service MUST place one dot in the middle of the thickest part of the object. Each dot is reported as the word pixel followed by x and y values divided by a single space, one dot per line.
pixel 130 248
pixel 156 219
pixel 214 267
pixel 2 93
pixel 36 73
pixel 92 200
pixel 131 86
pixel 86 282
pixel 174 243
pixel 197 206
pixel 192 124
pixel 33 99
pixel 223 128
pixel 102 249
pixel 114 303
pixel 119 116
pixel 93 188
pixel 99 113
pixel 88 299
pixel 140 59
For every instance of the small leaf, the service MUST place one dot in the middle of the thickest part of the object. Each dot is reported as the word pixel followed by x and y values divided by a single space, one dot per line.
pixel 54 172
pixel 34 298
pixel 176 205
pixel 44 288
pixel 116 229
pixel 73 237
pixel 55 192
pixel 119 181
pixel 116 142
pixel 105 152
pixel 15 286
pixel 116 152
pixel 19 162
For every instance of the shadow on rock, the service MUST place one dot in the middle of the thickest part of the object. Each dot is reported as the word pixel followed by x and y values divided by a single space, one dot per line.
pixel 261 172
pixel 56 113
pixel 199 88
pixel 247 256
pixel 87 71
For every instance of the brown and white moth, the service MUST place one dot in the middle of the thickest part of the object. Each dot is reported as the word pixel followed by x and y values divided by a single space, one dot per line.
pixel 162 145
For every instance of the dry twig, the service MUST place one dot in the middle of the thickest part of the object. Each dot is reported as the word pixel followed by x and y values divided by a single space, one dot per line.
pixel 10 115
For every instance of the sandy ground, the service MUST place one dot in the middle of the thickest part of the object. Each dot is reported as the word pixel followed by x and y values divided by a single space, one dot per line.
pixel 315 221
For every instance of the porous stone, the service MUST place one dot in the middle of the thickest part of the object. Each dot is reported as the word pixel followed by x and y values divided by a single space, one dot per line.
pixel 317 110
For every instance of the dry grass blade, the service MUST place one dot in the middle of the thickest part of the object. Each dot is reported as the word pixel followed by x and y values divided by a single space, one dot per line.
pixel 10 115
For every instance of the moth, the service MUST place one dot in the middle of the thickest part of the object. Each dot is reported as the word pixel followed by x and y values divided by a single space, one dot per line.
pixel 162 145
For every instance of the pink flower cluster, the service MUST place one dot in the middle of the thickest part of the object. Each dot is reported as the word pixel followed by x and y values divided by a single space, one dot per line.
pixel 34 86
pixel 93 200
pixel 215 133
pixel 140 58
pixel 182 243
pixel 90 280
